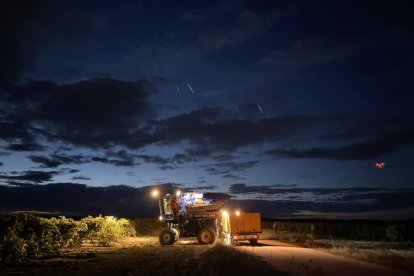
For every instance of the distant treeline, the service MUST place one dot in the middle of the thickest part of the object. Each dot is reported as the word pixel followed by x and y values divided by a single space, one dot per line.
pixel 394 231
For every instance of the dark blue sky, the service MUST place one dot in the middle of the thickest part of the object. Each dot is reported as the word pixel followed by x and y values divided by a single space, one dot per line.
pixel 285 105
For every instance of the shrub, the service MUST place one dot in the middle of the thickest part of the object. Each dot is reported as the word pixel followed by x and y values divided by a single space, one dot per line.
pixel 104 231
pixel 146 226
pixel 393 233
pixel 27 236
pixel 355 230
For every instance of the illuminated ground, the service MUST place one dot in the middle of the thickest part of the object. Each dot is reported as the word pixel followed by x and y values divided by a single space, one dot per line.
pixel 308 261
pixel 144 256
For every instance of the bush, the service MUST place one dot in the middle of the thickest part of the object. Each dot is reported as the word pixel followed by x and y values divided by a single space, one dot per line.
pixel 104 231
pixel 147 226
pixel 393 233
pixel 354 230
pixel 27 236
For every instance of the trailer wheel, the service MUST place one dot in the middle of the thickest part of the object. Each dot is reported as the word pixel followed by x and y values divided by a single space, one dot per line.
pixel 167 237
pixel 253 242
pixel 206 236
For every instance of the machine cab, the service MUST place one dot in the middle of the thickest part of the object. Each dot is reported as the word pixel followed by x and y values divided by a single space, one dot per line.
pixel 185 202
pixel 166 211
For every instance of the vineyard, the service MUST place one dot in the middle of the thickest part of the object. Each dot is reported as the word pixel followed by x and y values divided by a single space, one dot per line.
pixel 352 230
pixel 27 236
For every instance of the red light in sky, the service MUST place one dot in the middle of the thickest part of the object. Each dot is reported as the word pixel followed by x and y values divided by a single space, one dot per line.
pixel 379 165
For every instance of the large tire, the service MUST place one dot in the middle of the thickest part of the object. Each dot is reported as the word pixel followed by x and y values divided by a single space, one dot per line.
pixel 176 233
pixel 206 236
pixel 167 237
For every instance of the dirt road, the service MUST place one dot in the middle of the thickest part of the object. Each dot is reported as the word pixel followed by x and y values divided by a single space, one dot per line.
pixel 306 261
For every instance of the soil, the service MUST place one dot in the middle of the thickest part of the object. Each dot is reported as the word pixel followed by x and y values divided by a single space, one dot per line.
pixel 145 256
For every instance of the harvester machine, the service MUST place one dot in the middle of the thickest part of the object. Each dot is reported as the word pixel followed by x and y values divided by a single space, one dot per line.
pixel 191 214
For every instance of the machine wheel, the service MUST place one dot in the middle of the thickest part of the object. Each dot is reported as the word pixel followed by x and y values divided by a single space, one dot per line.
pixel 206 236
pixel 167 237
pixel 176 233
pixel 253 242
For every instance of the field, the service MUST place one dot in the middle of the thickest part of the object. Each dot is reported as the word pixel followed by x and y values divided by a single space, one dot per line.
pixel 109 246
pixel 144 256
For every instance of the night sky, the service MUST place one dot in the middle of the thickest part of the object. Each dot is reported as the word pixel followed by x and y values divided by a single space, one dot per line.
pixel 285 105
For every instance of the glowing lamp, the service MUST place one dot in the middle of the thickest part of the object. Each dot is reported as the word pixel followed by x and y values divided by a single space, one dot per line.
pixel 160 218
pixel 155 193
pixel 225 213
pixel 178 193
pixel 237 213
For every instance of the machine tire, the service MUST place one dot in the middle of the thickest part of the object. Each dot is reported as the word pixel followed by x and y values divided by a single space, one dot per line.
pixel 167 237
pixel 176 233
pixel 206 236
pixel 253 242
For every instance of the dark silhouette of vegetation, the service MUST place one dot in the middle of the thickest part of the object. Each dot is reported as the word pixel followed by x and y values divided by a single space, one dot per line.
pixel 402 231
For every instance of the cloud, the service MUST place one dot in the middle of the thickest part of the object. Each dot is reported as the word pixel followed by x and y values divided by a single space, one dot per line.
pixel 206 128
pixel 163 55
pixel 392 200
pixel 80 200
pixel 225 168
pixel 92 113
pixel 27 26
pixel 201 188
pixel 81 178
pixel 398 214
pixel 192 15
pixel 56 159
pixel 46 162
pixel 285 185
pixel 125 201
pixel 73 171
pixel 358 199
pixel 223 157
pixel 25 147
pixel 29 177
pixel 242 188
pixel 304 53
pixel 119 159
pixel 249 24
pixel 358 151
pixel 115 162
pixel 308 176
pixel 232 176
pixel 166 163
pixel 11 130
pixel 102 113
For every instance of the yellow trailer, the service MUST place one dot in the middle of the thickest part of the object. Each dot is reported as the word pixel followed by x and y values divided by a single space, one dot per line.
pixel 242 226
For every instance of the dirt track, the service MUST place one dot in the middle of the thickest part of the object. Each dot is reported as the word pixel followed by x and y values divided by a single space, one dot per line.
pixel 306 261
